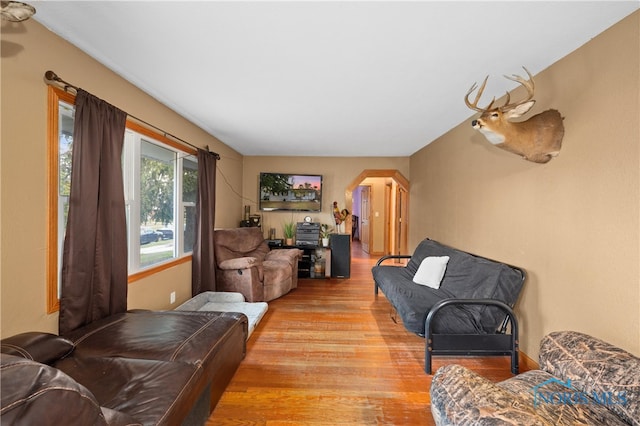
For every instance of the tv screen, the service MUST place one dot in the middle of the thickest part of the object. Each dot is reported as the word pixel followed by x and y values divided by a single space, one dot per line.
pixel 282 191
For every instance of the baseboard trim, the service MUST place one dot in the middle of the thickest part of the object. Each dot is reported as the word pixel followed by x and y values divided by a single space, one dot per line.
pixel 526 363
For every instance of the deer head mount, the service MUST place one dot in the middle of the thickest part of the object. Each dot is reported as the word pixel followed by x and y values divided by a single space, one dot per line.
pixel 537 139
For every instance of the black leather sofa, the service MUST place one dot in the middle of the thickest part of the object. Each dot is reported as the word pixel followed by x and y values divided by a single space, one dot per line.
pixel 468 314
pixel 134 368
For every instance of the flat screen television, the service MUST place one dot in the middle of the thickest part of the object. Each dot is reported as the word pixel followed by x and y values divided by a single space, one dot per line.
pixel 292 192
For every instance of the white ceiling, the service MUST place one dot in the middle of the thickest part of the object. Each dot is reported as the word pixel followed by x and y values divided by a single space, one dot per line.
pixel 325 78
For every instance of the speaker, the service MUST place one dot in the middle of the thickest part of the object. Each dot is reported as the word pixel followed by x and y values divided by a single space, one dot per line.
pixel 340 245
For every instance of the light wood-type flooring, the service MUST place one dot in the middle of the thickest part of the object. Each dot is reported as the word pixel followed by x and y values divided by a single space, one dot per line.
pixel 329 353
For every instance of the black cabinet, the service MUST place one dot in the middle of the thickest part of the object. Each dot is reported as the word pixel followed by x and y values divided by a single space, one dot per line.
pixel 315 262
pixel 323 262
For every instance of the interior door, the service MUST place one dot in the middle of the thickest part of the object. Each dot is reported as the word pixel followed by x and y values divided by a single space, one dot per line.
pixel 365 213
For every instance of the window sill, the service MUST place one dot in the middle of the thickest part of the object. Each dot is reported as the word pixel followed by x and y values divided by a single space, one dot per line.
pixel 155 269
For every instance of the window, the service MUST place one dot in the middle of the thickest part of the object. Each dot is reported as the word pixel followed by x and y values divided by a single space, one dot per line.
pixel 160 179
pixel 157 178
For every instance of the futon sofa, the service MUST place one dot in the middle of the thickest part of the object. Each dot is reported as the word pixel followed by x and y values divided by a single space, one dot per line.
pixel 582 380
pixel 462 303
pixel 133 368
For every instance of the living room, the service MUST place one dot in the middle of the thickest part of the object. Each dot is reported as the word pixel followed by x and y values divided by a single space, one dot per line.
pixel 573 224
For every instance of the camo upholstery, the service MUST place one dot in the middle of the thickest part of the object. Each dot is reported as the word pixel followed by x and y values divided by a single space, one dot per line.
pixel 582 381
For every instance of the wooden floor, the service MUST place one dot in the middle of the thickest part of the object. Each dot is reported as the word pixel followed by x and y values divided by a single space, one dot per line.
pixel 328 353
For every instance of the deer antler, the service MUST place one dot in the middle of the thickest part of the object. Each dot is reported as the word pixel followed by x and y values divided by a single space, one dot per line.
pixel 528 84
pixel 474 106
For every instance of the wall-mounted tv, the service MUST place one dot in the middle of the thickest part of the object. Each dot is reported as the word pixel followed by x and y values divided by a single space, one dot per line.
pixel 292 192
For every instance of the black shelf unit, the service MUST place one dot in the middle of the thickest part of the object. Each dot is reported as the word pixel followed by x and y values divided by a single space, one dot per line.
pixel 306 264
pixel 309 260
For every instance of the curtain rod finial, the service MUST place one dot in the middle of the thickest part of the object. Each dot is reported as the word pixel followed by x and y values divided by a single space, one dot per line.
pixel 215 154
pixel 51 76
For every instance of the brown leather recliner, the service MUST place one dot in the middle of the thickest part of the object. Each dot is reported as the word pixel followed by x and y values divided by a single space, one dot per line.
pixel 245 264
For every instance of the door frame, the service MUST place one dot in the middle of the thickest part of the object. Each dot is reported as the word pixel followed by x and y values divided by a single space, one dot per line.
pixel 379 173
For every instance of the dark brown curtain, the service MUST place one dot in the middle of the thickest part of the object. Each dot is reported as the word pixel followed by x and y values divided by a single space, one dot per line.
pixel 94 263
pixel 203 272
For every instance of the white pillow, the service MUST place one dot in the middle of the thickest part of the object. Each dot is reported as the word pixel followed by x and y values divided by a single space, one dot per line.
pixel 431 271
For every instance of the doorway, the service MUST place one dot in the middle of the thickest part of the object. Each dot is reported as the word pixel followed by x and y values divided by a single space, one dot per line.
pixel 364 217
pixel 381 200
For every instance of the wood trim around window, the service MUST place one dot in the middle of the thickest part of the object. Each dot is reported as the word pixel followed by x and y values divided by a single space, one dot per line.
pixel 132 125
pixel 160 267
pixel 54 97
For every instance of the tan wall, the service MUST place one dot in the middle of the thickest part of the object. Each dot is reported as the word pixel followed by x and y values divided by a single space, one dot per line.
pixel 337 173
pixel 28 50
pixel 573 223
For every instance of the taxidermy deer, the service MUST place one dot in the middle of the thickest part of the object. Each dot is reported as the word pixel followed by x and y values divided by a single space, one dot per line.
pixel 538 139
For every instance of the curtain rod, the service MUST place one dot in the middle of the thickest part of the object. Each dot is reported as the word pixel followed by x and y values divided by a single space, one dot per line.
pixel 51 76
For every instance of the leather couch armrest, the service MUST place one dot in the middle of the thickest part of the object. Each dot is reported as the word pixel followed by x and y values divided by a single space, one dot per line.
pixel 35 393
pixel 239 263
pixel 45 348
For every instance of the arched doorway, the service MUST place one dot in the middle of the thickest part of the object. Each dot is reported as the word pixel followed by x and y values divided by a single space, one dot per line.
pixel 391 226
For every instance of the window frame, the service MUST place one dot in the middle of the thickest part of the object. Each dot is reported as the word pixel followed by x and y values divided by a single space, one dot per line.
pixel 157 137
pixel 55 96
